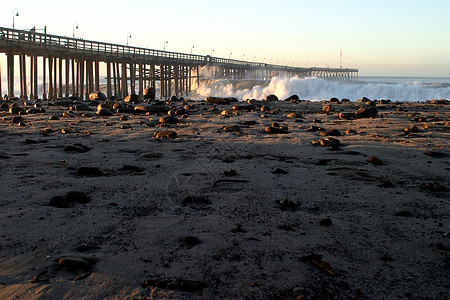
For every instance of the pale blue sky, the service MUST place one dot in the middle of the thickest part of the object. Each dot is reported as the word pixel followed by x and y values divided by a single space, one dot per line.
pixel 410 38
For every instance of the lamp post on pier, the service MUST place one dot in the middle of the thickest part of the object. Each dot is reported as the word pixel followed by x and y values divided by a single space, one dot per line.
pixel 165 42
pixel 15 14
pixel 128 37
pixel 75 26
pixel 192 48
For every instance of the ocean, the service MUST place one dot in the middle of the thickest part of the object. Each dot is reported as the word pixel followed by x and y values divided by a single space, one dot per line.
pixel 316 89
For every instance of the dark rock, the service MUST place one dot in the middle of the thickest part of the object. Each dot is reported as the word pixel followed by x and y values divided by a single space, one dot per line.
pixel 191 241
pixel 166 134
pixel 276 130
pixel 351 152
pixel 232 128
pixel 435 154
pixel 271 98
pixel 317 121
pixel 366 112
pixel 68 115
pixel 238 229
pixel 32 142
pixel 249 123
pixel 315 128
pixel 59 201
pixel 386 184
pixel 140 108
pixel 413 129
pixel 376 161
pixel 63 102
pixel 169 120
pixel 419 119
pixel 404 213
pixel 15 110
pixel 218 100
pixel 329 142
pixel 230 173
pixel 132 168
pixel 177 112
pixel 77 148
pixel 347 116
pixel 244 107
pixel 287 204
pixel 149 93
pixel 153 282
pixel 191 286
pixel 363 100
pixel 265 108
pixel 75 196
pixel 74 263
pixel 433 187
pixel 226 113
pixel 441 101
pixel 133 98
pixel 293 115
pixel 105 112
pixel 386 257
pixel 279 171
pixel 334 100
pixel 17 119
pixel 32 111
pixel 118 105
pixel 54 118
pixel 103 105
pixel 97 95
pixel 326 222
pixel 81 107
pixel 327 108
pixel 322 162
pixel 94 103
pixel 293 97
pixel 331 132
pixel 89 171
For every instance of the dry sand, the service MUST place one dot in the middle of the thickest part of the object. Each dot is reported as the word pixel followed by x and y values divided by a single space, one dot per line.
pixel 216 214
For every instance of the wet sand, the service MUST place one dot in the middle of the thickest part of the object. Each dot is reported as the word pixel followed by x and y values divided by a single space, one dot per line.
pixel 234 213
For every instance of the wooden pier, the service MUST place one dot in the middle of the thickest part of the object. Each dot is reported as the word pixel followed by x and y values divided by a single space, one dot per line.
pixel 53 67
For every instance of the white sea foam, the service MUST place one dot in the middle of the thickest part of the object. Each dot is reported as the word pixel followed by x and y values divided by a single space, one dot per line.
pixel 312 88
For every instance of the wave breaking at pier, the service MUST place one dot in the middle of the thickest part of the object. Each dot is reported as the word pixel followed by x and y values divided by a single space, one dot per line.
pixel 312 88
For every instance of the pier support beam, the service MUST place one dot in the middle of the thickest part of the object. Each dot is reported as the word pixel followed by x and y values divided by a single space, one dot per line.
pixel 44 86
pixel 141 81
pixel 108 80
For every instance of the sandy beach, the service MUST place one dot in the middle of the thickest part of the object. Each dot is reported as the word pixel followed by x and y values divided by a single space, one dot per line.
pixel 191 199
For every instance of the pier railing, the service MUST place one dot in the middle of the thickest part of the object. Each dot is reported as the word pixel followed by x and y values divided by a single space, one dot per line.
pixel 53 43
pixel 74 62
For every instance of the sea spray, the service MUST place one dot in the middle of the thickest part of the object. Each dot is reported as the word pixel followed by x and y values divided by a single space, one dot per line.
pixel 312 88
